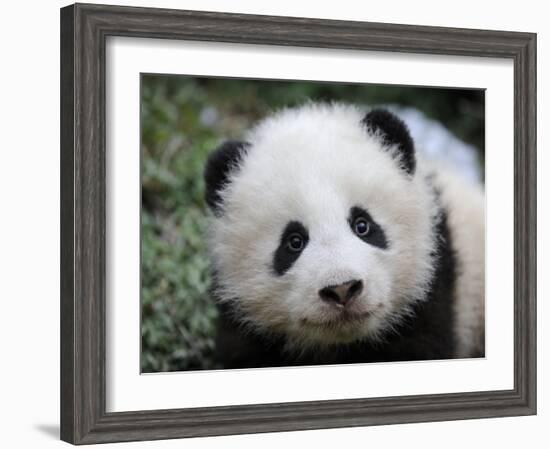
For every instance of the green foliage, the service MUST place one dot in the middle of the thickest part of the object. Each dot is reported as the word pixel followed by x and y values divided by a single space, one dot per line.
pixel 178 318
pixel 182 120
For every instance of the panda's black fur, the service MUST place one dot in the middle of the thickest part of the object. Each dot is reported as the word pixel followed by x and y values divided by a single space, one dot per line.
pixel 424 334
pixel 393 132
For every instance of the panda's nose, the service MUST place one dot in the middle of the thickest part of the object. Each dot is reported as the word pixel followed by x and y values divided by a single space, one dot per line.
pixel 342 294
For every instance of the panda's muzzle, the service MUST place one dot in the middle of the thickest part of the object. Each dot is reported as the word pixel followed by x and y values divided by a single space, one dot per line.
pixel 342 294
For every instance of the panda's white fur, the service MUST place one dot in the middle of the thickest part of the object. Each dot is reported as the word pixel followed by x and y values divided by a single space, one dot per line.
pixel 465 205
pixel 312 164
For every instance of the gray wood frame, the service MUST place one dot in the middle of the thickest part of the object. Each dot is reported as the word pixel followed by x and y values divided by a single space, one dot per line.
pixel 84 29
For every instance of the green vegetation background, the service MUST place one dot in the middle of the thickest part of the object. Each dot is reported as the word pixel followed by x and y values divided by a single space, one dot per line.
pixel 182 120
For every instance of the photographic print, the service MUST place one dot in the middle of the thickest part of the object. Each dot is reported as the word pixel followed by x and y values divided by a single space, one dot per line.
pixel 233 227
pixel 289 223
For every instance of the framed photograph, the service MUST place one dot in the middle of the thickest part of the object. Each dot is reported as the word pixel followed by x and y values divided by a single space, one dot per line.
pixel 275 223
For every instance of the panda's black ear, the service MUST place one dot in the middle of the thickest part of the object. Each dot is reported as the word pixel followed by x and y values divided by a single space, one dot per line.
pixel 218 168
pixel 394 133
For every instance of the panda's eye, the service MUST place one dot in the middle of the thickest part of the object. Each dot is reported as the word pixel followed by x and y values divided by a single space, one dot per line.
pixel 295 242
pixel 361 226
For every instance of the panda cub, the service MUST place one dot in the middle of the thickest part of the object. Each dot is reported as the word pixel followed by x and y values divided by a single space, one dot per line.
pixel 334 241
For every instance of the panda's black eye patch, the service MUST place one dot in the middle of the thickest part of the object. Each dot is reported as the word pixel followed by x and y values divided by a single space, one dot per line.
pixel 364 227
pixel 293 241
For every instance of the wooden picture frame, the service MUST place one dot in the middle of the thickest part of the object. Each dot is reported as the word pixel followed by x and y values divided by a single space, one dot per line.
pixel 84 29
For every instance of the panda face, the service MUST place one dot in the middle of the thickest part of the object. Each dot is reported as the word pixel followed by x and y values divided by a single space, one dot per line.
pixel 322 231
